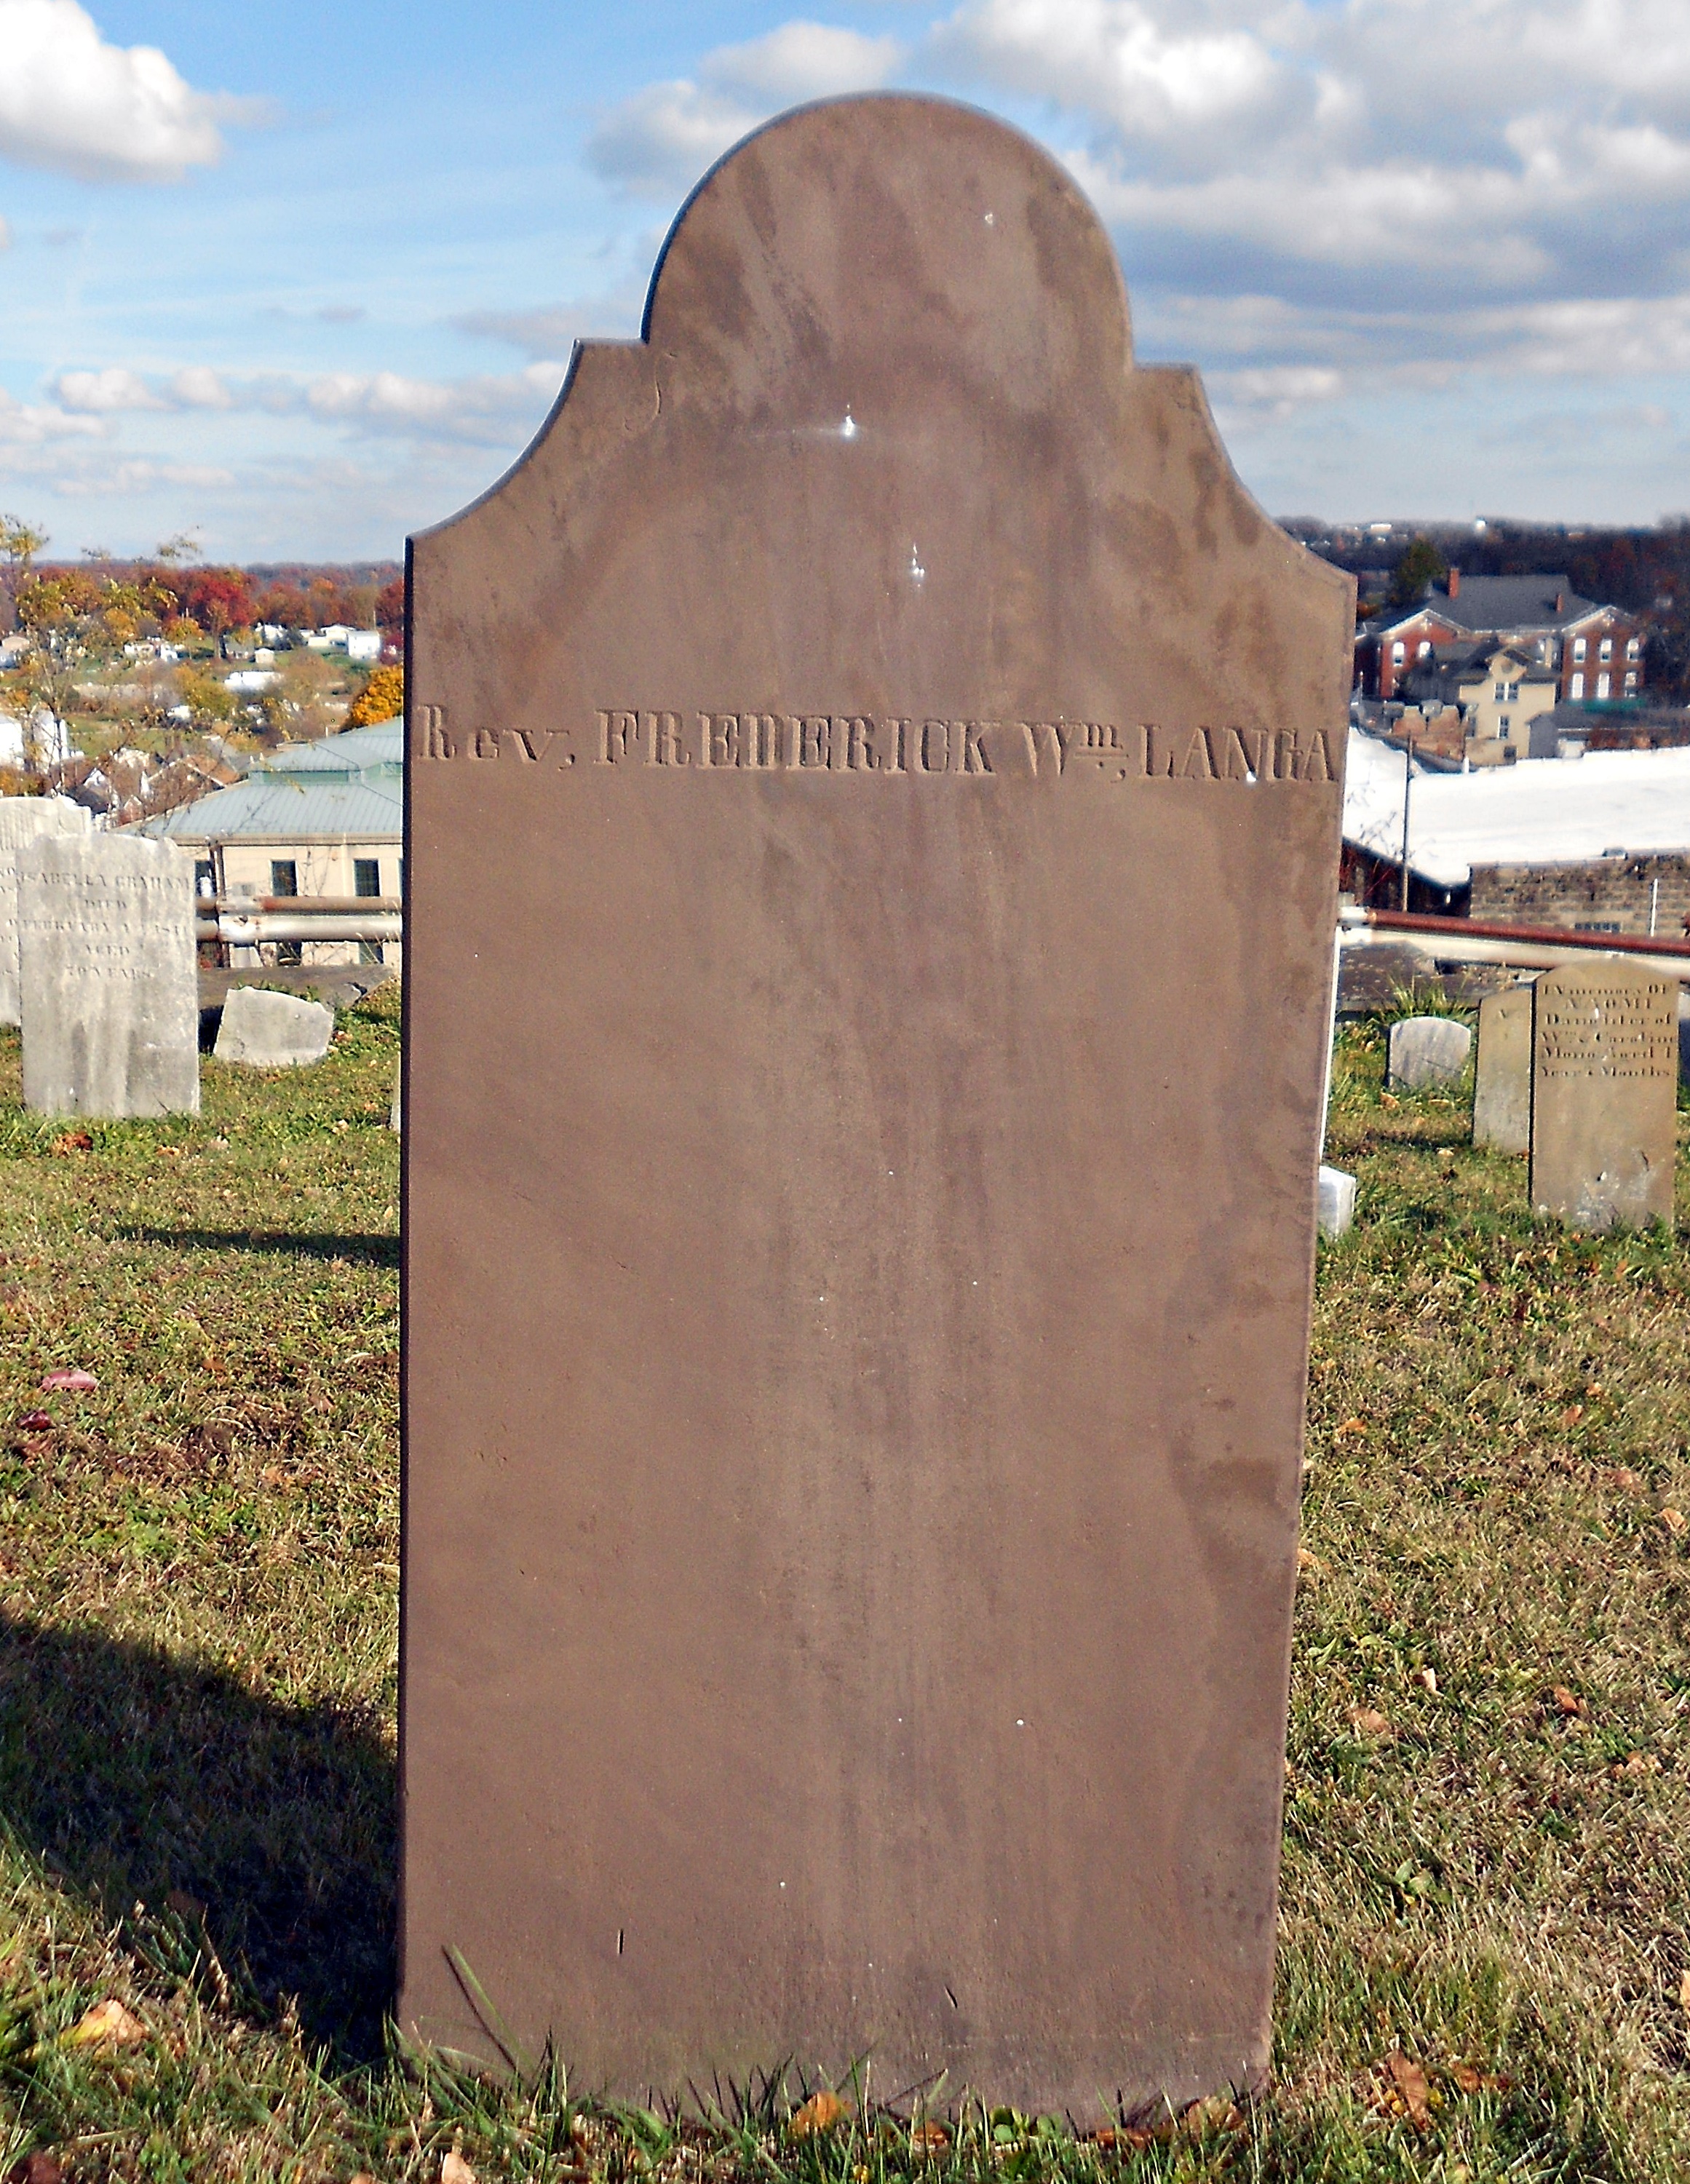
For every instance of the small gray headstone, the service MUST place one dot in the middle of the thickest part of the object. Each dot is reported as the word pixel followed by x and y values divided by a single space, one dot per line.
pixel 110 1006
pixel 24 819
pixel 272 1031
pixel 1502 1080
pixel 1604 1086
pixel 1336 1207
pixel 1427 1051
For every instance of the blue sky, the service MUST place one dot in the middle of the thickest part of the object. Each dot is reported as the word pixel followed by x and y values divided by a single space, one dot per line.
pixel 299 279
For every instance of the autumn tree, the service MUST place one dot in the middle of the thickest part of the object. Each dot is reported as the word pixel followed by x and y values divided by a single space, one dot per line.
pixel 78 624
pixel 381 698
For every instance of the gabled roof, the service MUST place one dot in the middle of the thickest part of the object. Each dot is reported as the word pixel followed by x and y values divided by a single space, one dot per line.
pixel 1501 604
pixel 344 788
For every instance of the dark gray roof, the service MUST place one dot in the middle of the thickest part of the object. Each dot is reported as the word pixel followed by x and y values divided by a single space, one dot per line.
pixel 1502 604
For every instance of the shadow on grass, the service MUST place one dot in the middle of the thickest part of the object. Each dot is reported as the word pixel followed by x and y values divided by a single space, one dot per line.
pixel 133 1775
pixel 364 1251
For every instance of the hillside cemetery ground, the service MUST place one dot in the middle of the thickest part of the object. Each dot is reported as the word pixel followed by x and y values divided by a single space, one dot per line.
pixel 1484 1958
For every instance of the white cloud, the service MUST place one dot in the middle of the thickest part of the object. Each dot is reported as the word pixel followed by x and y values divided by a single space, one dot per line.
pixel 69 100
pixel 482 408
pixel 660 142
pixel 99 394
pixel 26 425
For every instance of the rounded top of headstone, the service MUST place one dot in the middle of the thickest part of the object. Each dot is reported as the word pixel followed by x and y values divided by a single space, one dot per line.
pixel 887 234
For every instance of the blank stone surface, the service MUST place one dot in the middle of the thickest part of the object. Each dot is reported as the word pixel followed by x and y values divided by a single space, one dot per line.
pixel 1605 1078
pixel 860 1162
pixel 1427 1051
pixel 1501 1075
pixel 24 819
pixel 110 994
pixel 272 1031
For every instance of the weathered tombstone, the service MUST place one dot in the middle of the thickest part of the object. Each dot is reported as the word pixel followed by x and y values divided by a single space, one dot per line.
pixel 110 999
pixel 1502 1073
pixel 1427 1051
pixel 263 1030
pixel 24 819
pixel 1604 1075
pixel 861 1165
pixel 1336 1209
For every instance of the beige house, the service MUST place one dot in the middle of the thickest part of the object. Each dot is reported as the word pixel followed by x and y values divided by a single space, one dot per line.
pixel 1501 693
pixel 324 818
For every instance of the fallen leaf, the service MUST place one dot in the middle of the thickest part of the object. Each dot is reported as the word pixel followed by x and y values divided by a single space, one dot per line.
pixel 820 2113
pixel 72 1381
pixel 1628 1482
pixel 273 1475
pixel 1389 1099
pixel 1353 1426
pixel 38 2168
pixel 1639 1763
pixel 1572 1414
pixel 1215 2114
pixel 73 1141
pixel 929 2138
pixel 1411 2082
pixel 1308 1561
pixel 1369 1721
pixel 1684 1991
pixel 35 1422
pixel 1674 1519
pixel 1428 1678
pixel 1568 1701
pixel 1466 2078
pixel 455 2169
pixel 107 2025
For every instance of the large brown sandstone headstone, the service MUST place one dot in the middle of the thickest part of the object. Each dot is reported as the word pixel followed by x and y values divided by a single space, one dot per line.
pixel 874 827
pixel 1604 1076
pixel 1501 1075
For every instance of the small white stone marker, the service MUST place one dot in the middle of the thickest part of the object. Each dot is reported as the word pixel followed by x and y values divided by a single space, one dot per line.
pixel 272 1031
pixel 1335 1204
pixel 1427 1051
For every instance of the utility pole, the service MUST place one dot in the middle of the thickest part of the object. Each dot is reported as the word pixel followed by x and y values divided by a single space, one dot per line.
pixel 1408 790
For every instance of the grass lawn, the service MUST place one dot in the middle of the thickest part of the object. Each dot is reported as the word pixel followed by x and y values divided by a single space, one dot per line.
pixel 1484 1951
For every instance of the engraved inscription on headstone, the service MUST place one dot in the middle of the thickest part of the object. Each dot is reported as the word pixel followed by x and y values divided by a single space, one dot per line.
pixel 1501 1076
pixel 1427 1051
pixel 24 819
pixel 861 1165
pixel 110 999
pixel 1604 1075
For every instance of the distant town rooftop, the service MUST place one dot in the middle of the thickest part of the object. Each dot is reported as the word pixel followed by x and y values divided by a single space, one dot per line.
pixel 348 787
pixel 1541 811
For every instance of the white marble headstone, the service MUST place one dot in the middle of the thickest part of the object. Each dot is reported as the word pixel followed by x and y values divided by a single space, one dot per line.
pixel 110 991
pixel 24 819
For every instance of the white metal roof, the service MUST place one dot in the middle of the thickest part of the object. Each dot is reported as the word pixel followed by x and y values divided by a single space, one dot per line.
pixel 1540 811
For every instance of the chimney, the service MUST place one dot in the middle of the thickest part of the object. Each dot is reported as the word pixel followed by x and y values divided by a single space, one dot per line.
pixel 1560 602
pixel 1455 584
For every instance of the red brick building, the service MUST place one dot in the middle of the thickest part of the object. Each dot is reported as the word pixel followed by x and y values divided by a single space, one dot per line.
pixel 1596 651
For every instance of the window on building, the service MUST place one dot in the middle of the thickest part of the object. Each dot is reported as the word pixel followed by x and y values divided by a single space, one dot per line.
pixel 204 876
pixel 1423 650
pixel 1576 688
pixel 1499 692
pixel 1607 651
pixel 1578 647
pixel 1604 683
pixel 1502 719
pixel 1397 655
pixel 1513 694
pixel 1634 645
pixel 284 879
pixel 1630 678
pixel 366 875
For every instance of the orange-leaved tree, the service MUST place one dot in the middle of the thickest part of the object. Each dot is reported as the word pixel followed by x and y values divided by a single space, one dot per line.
pixel 381 698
